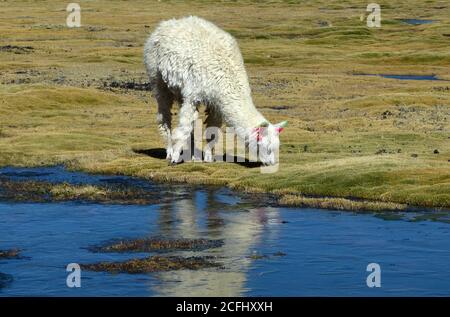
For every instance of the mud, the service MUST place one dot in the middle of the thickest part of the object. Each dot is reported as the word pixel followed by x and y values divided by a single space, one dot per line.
pixel 16 49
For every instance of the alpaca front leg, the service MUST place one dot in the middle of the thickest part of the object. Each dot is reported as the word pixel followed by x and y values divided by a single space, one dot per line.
pixel 186 119
pixel 208 155
pixel 164 129
pixel 213 123
pixel 165 101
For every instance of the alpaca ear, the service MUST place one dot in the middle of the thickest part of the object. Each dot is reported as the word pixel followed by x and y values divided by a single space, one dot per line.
pixel 280 126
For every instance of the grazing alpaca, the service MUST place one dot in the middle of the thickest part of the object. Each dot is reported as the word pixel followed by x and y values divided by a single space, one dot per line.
pixel 192 61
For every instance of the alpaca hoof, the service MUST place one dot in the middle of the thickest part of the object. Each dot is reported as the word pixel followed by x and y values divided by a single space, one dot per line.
pixel 208 158
pixel 169 154
pixel 174 162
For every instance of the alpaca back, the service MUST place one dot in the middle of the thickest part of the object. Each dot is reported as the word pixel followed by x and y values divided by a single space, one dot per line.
pixel 198 59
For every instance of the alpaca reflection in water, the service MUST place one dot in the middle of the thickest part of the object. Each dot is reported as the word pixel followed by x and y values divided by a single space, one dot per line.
pixel 206 215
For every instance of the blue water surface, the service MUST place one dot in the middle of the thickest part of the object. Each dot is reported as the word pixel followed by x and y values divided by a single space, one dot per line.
pixel 266 251
pixel 417 21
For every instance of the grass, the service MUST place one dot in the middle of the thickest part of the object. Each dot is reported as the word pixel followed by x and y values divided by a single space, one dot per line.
pixel 37 191
pixel 340 203
pixel 9 254
pixel 152 264
pixel 158 244
pixel 69 100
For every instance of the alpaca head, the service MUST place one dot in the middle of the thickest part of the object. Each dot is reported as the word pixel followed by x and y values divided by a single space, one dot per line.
pixel 268 140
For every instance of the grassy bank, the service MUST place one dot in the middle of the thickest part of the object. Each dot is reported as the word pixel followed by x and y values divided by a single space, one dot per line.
pixel 70 96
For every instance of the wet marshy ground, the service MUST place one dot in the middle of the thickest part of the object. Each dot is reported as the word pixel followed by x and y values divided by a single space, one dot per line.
pixel 405 76
pixel 180 240
pixel 157 244
pixel 152 264
pixel 57 184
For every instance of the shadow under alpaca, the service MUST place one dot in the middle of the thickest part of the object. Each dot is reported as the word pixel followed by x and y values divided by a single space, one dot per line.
pixel 160 153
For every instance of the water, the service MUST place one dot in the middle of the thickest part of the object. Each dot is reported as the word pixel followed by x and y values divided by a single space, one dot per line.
pixel 405 77
pixel 417 21
pixel 411 77
pixel 266 250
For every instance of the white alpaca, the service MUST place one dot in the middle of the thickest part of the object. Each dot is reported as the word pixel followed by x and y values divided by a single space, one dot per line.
pixel 192 61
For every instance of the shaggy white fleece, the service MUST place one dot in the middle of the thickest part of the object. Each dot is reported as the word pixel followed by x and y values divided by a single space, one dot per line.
pixel 192 61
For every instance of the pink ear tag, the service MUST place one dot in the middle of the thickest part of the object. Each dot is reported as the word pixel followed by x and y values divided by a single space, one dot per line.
pixel 258 133
pixel 258 137
pixel 279 130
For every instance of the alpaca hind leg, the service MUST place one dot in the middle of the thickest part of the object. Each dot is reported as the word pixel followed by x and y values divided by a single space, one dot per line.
pixel 165 101
pixel 213 123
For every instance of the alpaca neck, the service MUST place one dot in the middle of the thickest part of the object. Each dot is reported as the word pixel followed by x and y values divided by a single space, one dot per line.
pixel 248 119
